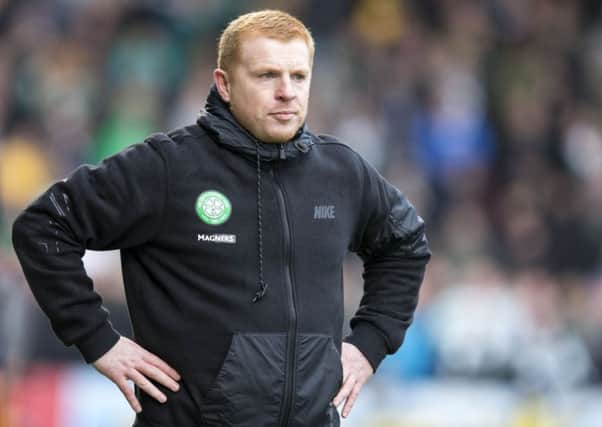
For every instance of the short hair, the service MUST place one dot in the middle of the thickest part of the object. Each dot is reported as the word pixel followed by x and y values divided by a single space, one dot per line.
pixel 269 23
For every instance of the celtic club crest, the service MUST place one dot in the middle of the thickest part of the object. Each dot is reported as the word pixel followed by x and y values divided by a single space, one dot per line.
pixel 213 207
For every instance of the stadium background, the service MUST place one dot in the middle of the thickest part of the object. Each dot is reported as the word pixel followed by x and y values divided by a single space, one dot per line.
pixel 486 113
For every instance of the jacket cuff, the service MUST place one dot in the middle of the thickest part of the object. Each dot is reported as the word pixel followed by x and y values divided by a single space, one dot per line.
pixel 98 343
pixel 370 342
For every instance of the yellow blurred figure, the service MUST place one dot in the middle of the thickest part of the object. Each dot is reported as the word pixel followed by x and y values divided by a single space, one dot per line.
pixel 24 172
pixel 380 23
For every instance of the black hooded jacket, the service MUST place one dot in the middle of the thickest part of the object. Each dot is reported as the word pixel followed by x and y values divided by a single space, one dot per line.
pixel 232 254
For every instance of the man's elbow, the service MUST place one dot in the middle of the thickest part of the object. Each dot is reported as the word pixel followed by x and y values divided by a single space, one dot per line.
pixel 19 231
pixel 422 250
pixel 416 245
pixel 23 230
pixel 18 228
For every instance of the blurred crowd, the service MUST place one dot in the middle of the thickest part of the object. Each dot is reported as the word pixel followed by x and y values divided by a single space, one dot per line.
pixel 486 113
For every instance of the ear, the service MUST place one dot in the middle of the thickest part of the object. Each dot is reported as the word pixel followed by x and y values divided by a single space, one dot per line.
pixel 220 77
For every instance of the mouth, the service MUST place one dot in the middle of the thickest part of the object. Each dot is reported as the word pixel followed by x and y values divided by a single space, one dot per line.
pixel 283 115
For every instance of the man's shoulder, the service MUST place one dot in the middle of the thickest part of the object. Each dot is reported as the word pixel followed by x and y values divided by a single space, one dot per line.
pixel 178 136
pixel 179 141
pixel 335 146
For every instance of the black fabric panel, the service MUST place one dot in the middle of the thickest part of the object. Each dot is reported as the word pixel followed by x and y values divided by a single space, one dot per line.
pixel 249 387
pixel 319 377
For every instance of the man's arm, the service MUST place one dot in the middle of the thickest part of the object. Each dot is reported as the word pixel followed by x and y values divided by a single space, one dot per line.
pixel 393 246
pixel 117 204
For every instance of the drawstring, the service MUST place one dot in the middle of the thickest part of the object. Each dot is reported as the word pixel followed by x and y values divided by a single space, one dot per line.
pixel 263 286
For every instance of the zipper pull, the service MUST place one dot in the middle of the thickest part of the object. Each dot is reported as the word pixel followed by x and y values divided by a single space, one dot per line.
pixel 282 152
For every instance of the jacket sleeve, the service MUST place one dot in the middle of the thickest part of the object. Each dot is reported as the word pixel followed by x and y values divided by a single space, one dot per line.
pixel 117 204
pixel 391 241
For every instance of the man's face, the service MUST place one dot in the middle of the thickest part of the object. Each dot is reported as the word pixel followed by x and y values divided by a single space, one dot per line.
pixel 268 87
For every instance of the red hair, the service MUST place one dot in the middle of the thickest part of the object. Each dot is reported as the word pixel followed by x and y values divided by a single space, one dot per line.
pixel 268 23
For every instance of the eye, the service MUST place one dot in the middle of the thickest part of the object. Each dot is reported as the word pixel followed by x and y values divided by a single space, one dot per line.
pixel 268 75
pixel 299 77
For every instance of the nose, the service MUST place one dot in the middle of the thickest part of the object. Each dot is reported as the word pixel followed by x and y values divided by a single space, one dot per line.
pixel 285 90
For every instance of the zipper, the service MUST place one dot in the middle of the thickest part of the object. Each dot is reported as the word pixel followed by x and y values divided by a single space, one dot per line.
pixel 291 343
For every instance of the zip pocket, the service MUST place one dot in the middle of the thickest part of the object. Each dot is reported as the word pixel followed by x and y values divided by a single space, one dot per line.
pixel 250 383
pixel 319 378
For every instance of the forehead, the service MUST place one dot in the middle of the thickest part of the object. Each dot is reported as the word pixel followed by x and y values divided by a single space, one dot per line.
pixel 262 51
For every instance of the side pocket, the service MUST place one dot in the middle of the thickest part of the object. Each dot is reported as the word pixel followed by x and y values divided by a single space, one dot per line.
pixel 247 390
pixel 339 365
pixel 319 377
pixel 333 417
pixel 141 422
pixel 179 410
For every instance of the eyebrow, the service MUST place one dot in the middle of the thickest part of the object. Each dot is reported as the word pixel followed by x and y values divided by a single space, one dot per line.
pixel 274 69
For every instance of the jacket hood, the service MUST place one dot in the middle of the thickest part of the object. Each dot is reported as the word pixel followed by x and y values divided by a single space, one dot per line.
pixel 217 119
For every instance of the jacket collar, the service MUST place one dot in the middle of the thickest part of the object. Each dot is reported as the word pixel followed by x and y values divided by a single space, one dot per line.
pixel 217 119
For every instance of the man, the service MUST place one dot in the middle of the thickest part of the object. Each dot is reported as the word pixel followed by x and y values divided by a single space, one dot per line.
pixel 233 233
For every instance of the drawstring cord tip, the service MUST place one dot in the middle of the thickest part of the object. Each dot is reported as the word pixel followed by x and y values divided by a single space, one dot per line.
pixel 260 292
